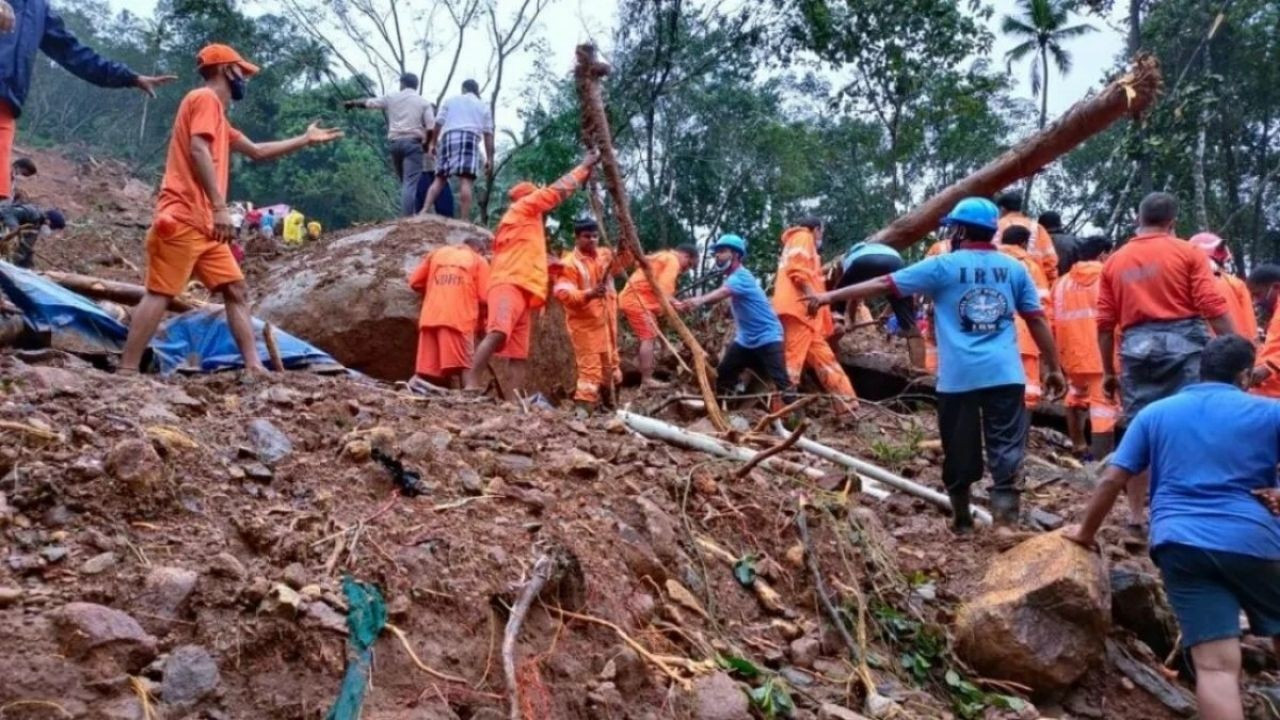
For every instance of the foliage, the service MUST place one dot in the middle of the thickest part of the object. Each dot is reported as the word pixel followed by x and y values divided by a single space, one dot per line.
pixel 772 700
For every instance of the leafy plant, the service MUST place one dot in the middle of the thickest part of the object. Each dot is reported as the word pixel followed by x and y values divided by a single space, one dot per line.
pixel 772 699
pixel 743 667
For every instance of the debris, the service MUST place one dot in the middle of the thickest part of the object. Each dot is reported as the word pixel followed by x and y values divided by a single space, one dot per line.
pixel 226 565
pixel 84 629
pixel 1173 697
pixel 135 464
pixel 1047 600
pixel 820 587
pixel 268 442
pixel 190 673
pixel 99 563
pixel 760 457
pixel 409 482
pixel 164 595
pixel 718 697
pixel 1138 604
pixel 681 595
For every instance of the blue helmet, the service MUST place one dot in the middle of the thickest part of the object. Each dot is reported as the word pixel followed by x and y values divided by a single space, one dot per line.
pixel 976 211
pixel 732 242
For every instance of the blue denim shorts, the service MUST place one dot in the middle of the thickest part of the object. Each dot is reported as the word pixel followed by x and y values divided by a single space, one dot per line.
pixel 1209 588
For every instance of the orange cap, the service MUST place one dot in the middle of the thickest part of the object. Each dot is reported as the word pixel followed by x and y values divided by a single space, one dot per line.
pixel 521 189
pixel 219 54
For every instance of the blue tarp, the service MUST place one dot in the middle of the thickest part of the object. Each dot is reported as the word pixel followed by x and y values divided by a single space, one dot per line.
pixel 195 341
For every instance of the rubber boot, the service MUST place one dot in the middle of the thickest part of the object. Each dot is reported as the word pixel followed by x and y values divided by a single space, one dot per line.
pixel 961 515
pixel 1006 507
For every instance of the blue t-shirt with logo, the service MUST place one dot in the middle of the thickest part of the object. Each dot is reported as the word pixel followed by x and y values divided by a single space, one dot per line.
pixel 1202 490
pixel 975 294
pixel 758 324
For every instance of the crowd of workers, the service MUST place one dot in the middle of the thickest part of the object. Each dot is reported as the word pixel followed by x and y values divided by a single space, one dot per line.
pixel 1008 313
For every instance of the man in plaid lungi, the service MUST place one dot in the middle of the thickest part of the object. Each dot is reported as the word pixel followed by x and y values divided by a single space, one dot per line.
pixel 463 120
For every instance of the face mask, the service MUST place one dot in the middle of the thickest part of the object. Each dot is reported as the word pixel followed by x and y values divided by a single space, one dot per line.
pixel 238 87
pixel 723 265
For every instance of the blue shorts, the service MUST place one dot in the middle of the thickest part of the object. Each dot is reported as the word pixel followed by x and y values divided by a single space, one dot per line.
pixel 1209 588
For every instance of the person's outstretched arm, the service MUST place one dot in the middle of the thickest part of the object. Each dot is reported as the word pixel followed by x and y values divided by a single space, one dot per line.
pixel 261 152
pixel 82 61
pixel 711 298
pixel 547 199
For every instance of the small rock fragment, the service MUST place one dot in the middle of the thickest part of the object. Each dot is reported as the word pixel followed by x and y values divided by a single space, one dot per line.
pixel 718 697
pixel 165 592
pixel 258 472
pixel 190 673
pixel 136 465
pixel 358 450
pixel 82 628
pixel 53 553
pixel 99 563
pixel 270 444
pixel 320 615
pixel 9 596
pixel 295 576
pixel 226 565
pixel 804 651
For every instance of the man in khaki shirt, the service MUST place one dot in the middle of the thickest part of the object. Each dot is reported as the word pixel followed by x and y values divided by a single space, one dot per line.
pixel 410 122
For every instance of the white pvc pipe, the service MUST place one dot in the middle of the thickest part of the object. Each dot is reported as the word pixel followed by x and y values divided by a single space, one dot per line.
pixel 659 430
pixel 881 475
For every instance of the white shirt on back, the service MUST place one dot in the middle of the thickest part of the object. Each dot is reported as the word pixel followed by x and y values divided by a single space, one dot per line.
pixel 465 112
pixel 409 115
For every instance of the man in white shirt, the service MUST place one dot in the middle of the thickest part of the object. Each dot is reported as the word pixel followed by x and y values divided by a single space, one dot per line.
pixel 463 120
pixel 410 123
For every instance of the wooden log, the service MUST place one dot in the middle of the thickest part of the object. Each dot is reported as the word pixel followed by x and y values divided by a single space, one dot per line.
pixel 117 292
pixel 1129 95
pixel 595 127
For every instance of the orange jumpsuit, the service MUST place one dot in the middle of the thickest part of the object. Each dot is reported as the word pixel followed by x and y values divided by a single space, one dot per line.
pixel 1269 357
pixel 588 319
pixel 1026 343
pixel 1075 331
pixel 639 300
pixel 804 335
pixel 453 280
pixel 941 247
pixel 1239 304
pixel 518 280
pixel 1041 246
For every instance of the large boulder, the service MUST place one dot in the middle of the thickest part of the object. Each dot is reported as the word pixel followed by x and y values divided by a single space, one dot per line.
pixel 1041 617
pixel 350 296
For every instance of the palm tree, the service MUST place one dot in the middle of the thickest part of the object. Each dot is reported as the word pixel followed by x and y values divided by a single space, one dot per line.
pixel 1042 28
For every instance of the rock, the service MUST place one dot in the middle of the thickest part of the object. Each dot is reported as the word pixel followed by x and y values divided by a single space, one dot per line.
pixel 320 615
pixel 1138 604
pixel 1079 703
pixel 157 413
pixel 295 576
pixel 125 707
pixel 99 563
pixel 582 464
pixel 268 441
pixel 829 711
pixel 1045 520
pixel 718 697
pixel 164 595
pixel 85 468
pixel 281 600
pixel 103 634
pixel 53 553
pixel 190 673
pixel 471 481
pixel 639 556
pixel 136 465
pixel 804 651
pixel 630 674
pixel 9 596
pixel 795 556
pixel 55 379
pixel 423 445
pixel 258 472
pixel 661 529
pixel 24 563
pixel 515 463
pixel 383 438
pixel 226 565
pixel 1047 602
pixel 358 450
pixel 607 699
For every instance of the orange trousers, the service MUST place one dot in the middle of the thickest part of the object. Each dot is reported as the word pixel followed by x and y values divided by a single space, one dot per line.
pixel 1031 366
pixel 804 346
pixel 8 129
pixel 594 359
pixel 1085 391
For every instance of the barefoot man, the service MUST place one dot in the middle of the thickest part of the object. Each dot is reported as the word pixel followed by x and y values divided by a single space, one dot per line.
pixel 192 230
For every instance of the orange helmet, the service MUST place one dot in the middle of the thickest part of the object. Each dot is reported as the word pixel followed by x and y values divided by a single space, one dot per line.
pixel 1213 246
pixel 521 189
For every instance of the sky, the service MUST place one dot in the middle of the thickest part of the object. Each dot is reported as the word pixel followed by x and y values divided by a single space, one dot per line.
pixel 566 23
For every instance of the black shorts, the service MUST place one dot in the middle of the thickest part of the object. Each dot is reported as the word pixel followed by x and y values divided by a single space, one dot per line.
pixel 1209 588
pixel 870 267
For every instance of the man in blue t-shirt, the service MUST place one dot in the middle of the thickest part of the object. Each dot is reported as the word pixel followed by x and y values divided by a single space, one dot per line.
pixel 758 343
pixel 976 290
pixel 1214 534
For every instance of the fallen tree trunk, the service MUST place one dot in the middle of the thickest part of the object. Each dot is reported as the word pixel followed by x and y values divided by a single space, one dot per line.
pixel 117 292
pixel 595 127
pixel 1128 95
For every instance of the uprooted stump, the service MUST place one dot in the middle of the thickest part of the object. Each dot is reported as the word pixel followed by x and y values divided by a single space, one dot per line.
pixel 1042 617
pixel 350 297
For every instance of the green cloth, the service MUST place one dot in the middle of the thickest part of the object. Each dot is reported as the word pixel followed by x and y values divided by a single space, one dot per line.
pixel 365 619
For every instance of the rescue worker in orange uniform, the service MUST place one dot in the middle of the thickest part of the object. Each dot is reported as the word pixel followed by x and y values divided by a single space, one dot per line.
pixel 806 337
pixel 518 277
pixel 1264 286
pixel 582 280
pixel 640 305
pixel 1040 247
pixel 1014 245
pixel 193 229
pixel 1075 331
pixel 1234 290
pixel 453 280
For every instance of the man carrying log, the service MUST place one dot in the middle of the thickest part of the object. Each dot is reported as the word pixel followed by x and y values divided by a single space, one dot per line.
pixel 757 345
pixel 518 278
pixel 977 291
pixel 192 230
pixel 640 305
pixel 582 280
pixel 1214 534
pixel 807 337
pixel 453 280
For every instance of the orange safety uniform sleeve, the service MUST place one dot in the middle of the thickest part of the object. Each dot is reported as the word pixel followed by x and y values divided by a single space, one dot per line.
pixel 544 200
pixel 798 267
pixel 1240 305
pixel 567 286
pixel 1269 357
pixel 1156 278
